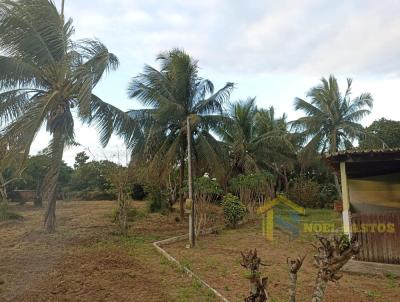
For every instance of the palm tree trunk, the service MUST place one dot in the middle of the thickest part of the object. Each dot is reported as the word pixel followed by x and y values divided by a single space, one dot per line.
pixel 333 149
pixel 37 202
pixel 181 197
pixel 49 187
pixel 286 181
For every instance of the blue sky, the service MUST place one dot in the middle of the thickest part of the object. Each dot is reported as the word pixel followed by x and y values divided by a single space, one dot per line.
pixel 273 50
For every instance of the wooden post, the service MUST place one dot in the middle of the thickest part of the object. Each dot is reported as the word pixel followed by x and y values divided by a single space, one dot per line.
pixel 192 234
pixel 270 225
pixel 346 199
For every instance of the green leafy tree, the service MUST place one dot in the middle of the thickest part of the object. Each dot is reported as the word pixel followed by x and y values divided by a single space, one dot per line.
pixel 173 93
pixel 91 180
pixel 44 75
pixel 80 159
pixel 381 133
pixel 331 120
pixel 35 171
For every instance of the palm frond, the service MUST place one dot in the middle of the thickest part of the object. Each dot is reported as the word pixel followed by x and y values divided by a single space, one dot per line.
pixel 32 30
pixel 109 119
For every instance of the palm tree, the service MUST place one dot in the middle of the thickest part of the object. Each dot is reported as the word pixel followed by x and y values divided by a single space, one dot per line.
pixel 172 94
pixel 331 120
pixel 43 76
pixel 255 138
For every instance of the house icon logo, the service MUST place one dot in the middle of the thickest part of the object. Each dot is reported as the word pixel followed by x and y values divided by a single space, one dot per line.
pixel 289 223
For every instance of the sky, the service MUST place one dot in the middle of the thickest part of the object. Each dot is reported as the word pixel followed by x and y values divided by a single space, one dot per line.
pixel 272 50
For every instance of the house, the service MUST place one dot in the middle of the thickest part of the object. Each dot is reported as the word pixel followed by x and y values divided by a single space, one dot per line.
pixel 370 181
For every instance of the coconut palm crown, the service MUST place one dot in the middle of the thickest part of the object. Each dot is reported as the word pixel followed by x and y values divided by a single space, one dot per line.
pixel 256 138
pixel 44 77
pixel 331 120
pixel 172 94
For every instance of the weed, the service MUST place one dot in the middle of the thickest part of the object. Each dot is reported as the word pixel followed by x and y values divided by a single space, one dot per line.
pixel 392 283
pixel 196 284
pixel 372 294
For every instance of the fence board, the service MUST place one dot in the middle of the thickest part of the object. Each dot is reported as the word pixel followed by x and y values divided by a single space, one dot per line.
pixel 378 244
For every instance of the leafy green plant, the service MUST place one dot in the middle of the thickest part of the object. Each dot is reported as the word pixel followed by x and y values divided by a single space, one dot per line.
pixel 253 189
pixel 305 192
pixel 206 185
pixel 157 201
pixel 234 209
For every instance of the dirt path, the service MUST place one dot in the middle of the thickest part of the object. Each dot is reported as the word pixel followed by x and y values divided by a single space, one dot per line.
pixel 86 261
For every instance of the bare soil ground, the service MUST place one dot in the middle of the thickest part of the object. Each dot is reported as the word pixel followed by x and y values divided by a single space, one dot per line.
pixel 217 260
pixel 86 261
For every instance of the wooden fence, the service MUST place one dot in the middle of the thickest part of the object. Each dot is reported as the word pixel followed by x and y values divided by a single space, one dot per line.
pixel 379 235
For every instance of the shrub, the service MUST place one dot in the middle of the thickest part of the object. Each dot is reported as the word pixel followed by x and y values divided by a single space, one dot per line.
pixel 131 214
pixel 234 209
pixel 157 202
pixel 138 192
pixel 305 192
pixel 207 191
pixel 253 189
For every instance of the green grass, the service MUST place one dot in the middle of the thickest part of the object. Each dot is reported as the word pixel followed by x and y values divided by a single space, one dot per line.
pixel 6 214
pixel 373 294
pixel 392 281
pixel 321 221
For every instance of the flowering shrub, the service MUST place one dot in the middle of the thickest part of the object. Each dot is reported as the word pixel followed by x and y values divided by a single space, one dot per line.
pixel 253 189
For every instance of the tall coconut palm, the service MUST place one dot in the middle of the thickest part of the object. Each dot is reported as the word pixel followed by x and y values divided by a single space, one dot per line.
pixel 256 139
pixel 44 76
pixel 173 93
pixel 332 119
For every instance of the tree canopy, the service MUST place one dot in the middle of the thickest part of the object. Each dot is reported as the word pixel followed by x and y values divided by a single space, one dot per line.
pixel 381 133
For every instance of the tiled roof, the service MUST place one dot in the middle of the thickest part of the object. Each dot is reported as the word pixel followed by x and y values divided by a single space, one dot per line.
pixel 363 152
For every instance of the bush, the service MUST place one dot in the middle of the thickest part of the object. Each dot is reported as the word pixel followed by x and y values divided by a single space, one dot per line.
pixel 253 188
pixel 92 195
pixel 138 192
pixel 306 192
pixel 131 214
pixel 234 209
pixel 157 201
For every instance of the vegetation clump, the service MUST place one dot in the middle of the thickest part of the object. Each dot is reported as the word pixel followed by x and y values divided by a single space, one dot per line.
pixel 234 210
pixel 253 189
pixel 6 214
pixel 206 192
